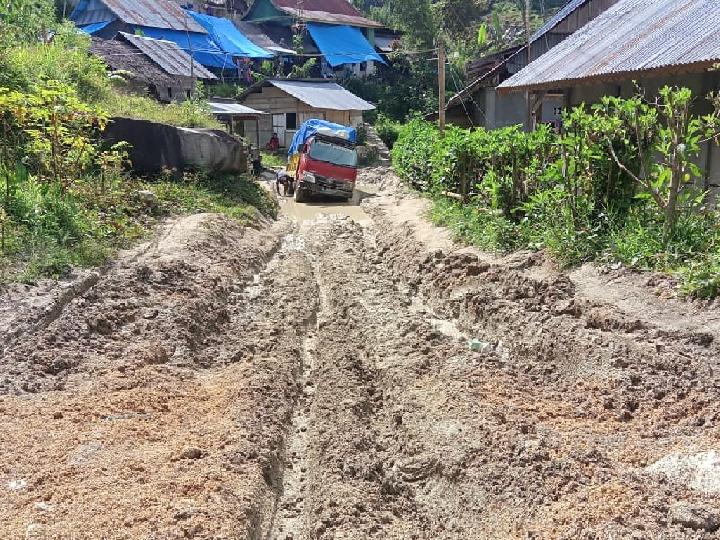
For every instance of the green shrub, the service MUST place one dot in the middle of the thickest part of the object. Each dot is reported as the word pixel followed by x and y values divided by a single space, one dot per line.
pixel 701 278
pixel 481 227
pixel 617 182
pixel 66 59
pixel 388 130
pixel 413 151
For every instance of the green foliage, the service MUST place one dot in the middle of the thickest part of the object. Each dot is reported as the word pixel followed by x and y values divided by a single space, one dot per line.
pixel 600 189
pixel 481 227
pixel 23 21
pixel 304 71
pixel 238 197
pixel 667 139
pixel 701 278
pixel 65 59
pixel 190 113
pixel 388 130
pixel 47 232
pixel 270 159
pixel 413 152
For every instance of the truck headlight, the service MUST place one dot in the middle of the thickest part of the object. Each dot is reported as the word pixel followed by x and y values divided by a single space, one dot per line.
pixel 309 177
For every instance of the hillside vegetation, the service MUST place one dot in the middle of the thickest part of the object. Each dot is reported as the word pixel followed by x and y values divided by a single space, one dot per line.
pixel 469 29
pixel 65 198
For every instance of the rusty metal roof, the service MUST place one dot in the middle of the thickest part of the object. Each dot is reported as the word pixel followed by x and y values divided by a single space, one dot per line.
pixel 630 38
pixel 331 18
pixel 168 56
pixel 121 55
pixel 326 11
pixel 155 13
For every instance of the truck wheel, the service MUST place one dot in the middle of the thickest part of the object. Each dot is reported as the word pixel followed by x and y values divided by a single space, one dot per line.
pixel 300 195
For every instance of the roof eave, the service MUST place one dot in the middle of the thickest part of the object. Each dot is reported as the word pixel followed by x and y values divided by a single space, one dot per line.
pixel 679 69
pixel 360 22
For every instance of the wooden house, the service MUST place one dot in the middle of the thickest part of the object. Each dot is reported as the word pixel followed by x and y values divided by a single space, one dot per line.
pixel 150 66
pixel 291 102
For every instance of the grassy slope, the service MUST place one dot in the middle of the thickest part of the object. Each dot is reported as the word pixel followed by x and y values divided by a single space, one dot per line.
pixel 87 226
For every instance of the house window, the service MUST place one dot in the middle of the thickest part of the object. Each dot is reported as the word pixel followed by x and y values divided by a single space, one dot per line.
pixel 291 120
pixel 363 66
pixel 170 92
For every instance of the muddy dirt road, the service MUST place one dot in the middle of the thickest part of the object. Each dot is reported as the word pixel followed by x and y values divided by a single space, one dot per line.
pixel 313 379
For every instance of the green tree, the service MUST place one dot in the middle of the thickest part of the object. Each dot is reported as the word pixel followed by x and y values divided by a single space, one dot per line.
pixel 25 20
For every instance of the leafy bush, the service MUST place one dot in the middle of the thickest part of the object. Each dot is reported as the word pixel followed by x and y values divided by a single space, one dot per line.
pixel 388 130
pixel 413 152
pixel 617 182
pixel 66 59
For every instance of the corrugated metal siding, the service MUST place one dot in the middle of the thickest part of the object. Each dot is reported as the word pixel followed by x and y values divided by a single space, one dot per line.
pixel 154 13
pixel 632 36
pixel 321 95
pixel 168 56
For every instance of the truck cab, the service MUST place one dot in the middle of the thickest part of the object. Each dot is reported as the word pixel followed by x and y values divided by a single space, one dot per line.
pixel 324 161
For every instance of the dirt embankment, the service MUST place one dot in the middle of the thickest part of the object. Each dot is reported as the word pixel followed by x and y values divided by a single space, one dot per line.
pixel 314 380
pixel 159 399
pixel 600 418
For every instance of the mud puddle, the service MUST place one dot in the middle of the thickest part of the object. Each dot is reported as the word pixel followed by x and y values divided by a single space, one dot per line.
pixel 326 206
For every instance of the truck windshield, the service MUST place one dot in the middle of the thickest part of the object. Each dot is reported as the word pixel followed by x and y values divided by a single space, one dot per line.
pixel 333 153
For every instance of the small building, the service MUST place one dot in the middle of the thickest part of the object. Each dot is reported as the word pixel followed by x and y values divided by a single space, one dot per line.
pixel 334 28
pixel 151 66
pixel 291 102
pixel 645 43
pixel 234 115
pixel 213 42
pixel 479 103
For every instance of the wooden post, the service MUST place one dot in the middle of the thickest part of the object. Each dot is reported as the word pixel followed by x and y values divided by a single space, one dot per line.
pixel 441 85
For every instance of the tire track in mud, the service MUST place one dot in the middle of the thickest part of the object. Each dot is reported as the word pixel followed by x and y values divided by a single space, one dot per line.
pixel 350 468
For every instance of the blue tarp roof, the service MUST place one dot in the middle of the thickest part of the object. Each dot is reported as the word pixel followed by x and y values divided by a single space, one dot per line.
pixel 94 27
pixel 343 44
pixel 227 36
pixel 311 127
pixel 200 46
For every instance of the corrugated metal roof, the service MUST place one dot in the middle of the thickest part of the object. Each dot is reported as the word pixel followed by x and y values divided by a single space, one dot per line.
pixel 322 95
pixel 331 18
pixel 155 13
pixel 220 107
pixel 121 55
pixel 168 56
pixel 631 37
pixel 556 19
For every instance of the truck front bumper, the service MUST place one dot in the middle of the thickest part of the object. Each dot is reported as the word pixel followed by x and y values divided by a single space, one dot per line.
pixel 324 186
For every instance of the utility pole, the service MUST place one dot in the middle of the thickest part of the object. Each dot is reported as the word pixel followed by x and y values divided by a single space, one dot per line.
pixel 190 50
pixel 441 85
pixel 527 25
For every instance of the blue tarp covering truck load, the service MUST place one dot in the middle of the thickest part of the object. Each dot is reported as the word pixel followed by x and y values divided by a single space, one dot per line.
pixel 311 127
pixel 322 160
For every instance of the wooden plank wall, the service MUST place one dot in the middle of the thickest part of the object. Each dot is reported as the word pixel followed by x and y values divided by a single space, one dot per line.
pixel 272 100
